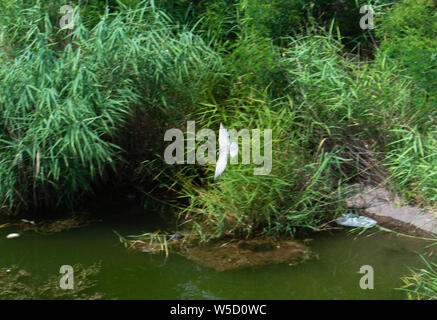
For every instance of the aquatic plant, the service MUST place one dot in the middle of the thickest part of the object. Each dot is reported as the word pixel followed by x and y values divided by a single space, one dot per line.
pixel 421 284
pixel 18 284
pixel 157 242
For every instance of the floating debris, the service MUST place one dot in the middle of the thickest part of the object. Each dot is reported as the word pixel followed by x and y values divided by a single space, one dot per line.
pixel 131 196
pixel 12 235
pixel 353 220
pixel 175 236
pixel 64 224
pixel 28 221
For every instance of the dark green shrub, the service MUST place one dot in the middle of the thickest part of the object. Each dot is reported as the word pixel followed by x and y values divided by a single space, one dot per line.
pixel 296 194
pixel 273 18
pixel 346 17
pixel 408 35
pixel 63 102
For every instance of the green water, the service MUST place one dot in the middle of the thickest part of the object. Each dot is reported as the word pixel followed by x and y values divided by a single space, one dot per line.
pixel 135 275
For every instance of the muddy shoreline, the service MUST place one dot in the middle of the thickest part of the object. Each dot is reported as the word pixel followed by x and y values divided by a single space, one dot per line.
pixel 248 253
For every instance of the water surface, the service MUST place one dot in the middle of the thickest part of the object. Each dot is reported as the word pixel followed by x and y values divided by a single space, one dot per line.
pixel 135 275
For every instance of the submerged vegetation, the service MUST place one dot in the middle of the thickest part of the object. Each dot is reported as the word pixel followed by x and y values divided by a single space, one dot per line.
pixel 86 110
pixel 18 284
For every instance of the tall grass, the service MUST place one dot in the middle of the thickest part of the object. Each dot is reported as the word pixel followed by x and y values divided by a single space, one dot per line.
pixel 296 194
pixel 408 36
pixel 63 101
pixel 409 41
pixel 337 121
pixel 421 284
pixel 375 104
pixel 413 162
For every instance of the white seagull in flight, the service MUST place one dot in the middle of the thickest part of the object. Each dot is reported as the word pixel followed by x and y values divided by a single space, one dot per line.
pixel 225 148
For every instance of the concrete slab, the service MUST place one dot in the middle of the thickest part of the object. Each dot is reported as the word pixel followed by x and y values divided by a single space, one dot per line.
pixel 378 202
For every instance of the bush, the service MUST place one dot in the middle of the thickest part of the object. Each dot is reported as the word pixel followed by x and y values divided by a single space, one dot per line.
pixel 296 194
pixel 273 18
pixel 344 121
pixel 64 101
pixel 408 35
pixel 421 284
pixel 409 41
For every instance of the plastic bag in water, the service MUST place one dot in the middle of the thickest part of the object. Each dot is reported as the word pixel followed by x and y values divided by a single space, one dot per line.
pixel 353 220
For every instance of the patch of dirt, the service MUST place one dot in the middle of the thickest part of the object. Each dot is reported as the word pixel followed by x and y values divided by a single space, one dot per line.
pixel 225 253
pixel 223 256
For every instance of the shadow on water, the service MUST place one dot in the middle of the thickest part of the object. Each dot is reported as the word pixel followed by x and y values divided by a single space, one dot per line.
pixel 134 275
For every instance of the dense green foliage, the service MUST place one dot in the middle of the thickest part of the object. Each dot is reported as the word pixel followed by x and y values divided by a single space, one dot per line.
pixel 88 108
pixel 63 103
pixel 408 36
pixel 421 284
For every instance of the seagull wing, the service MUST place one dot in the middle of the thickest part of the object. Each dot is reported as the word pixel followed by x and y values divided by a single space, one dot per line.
pixel 223 137
pixel 224 145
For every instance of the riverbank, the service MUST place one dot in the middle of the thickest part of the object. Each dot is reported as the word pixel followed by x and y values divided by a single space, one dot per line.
pixel 324 116
pixel 385 207
pixel 96 110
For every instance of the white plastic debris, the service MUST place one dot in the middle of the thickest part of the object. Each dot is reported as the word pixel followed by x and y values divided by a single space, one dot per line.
pixel 12 235
pixel 27 221
pixel 353 220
